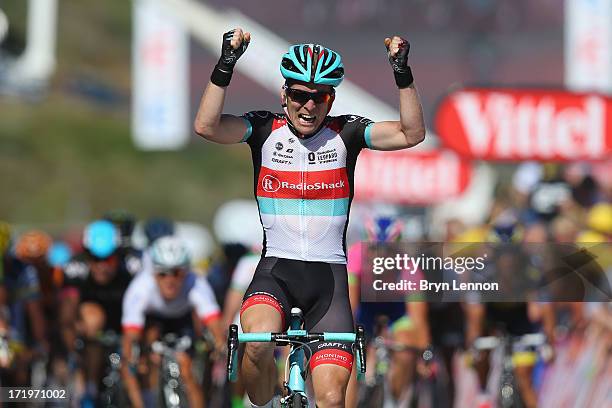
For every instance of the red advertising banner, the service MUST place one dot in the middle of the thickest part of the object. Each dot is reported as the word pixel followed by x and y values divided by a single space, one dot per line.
pixel 526 124
pixel 405 177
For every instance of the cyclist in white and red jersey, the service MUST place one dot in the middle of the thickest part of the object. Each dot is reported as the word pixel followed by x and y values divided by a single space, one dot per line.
pixel 304 163
pixel 164 302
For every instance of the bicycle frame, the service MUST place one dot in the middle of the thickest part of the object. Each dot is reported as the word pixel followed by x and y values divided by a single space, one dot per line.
pixel 294 337
pixel 507 392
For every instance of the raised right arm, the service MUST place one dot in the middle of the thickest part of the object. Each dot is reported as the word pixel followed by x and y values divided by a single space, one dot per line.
pixel 210 123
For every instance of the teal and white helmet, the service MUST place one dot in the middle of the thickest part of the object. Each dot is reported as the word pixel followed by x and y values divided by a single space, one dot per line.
pixel 312 63
pixel 169 252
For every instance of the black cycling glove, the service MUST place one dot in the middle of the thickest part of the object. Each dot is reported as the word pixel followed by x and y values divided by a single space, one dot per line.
pixel 222 74
pixel 399 63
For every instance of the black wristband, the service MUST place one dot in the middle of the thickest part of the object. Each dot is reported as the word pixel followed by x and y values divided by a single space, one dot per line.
pixel 220 77
pixel 403 79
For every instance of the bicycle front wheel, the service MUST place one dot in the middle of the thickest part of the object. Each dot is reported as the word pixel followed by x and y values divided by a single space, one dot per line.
pixel 299 402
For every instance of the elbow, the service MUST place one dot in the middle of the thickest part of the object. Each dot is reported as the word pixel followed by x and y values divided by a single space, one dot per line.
pixel 414 136
pixel 201 130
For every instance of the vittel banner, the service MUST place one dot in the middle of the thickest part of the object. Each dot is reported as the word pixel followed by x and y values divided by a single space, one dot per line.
pixel 526 124
pixel 405 177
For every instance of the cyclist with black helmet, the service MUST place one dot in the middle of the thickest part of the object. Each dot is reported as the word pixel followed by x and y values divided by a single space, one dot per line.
pixel 125 223
pixel 91 298
pixel 304 164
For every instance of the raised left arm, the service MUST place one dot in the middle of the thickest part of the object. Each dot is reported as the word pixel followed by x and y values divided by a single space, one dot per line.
pixel 410 129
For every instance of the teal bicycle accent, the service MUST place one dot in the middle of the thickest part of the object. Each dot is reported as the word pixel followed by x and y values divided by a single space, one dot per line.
pixel 297 339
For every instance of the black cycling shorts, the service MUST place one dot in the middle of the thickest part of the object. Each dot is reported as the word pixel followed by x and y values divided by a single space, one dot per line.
pixel 319 289
pixel 181 325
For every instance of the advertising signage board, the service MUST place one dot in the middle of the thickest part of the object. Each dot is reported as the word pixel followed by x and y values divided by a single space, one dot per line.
pixel 525 124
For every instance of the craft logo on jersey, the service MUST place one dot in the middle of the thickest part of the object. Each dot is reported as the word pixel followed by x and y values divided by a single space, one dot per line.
pixel 270 184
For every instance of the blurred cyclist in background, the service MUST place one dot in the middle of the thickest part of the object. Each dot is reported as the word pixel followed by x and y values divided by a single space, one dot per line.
pixel 303 263
pixel 32 248
pixel 164 301
pixel 23 324
pixel 240 280
pixel 158 227
pixel 91 299
pixel 511 266
pixel 125 223
pixel 5 243
pixel 407 322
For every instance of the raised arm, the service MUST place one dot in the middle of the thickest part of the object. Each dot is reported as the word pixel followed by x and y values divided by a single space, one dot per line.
pixel 410 129
pixel 210 123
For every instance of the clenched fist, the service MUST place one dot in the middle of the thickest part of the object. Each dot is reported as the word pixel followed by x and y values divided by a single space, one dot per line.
pixel 235 43
pixel 397 50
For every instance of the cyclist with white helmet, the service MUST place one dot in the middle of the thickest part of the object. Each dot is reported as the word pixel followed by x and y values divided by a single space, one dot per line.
pixel 164 302
pixel 304 163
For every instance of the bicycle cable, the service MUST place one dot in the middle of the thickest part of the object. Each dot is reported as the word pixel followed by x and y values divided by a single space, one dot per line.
pixel 301 345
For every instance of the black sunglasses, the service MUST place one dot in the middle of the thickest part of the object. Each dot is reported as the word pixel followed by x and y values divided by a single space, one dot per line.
pixel 303 97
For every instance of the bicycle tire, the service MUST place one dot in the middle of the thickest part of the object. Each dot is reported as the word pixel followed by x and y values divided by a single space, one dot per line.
pixel 297 402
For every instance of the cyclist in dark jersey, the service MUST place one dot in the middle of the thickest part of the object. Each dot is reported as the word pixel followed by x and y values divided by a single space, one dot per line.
pixel 91 298
pixel 517 313
pixel 304 163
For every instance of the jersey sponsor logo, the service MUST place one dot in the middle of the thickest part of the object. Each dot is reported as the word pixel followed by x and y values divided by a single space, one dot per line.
pixel 279 146
pixel 133 264
pixel 336 357
pixel 76 270
pixel 325 184
pixel 361 119
pixel 284 156
pixel 313 186
pixel 259 114
pixel 311 158
pixel 336 345
pixel 327 156
pixel 270 184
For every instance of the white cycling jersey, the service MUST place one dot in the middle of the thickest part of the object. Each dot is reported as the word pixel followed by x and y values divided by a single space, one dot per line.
pixel 304 186
pixel 143 297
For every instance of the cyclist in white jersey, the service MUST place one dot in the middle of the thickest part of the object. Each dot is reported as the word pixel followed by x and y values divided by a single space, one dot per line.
pixel 304 163
pixel 164 301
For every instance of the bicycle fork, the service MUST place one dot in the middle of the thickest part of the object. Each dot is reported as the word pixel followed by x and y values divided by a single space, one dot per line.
pixel 296 383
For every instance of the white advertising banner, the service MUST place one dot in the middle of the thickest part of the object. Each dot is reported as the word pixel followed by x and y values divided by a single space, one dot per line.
pixel 160 78
pixel 588 45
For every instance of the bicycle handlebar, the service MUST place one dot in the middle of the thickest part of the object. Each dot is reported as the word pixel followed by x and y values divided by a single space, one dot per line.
pixel 299 335
pixel 291 336
pixel 527 340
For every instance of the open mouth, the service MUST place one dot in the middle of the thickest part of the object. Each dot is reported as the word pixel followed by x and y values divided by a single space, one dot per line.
pixel 306 119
